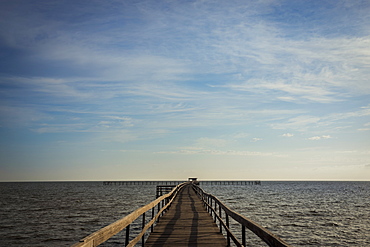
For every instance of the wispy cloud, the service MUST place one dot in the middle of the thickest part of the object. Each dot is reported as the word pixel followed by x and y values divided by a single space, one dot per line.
pixel 199 77
pixel 256 139
pixel 316 138
pixel 205 142
pixel 306 122
pixel 220 152
pixel 288 135
pixel 295 92
pixel 297 123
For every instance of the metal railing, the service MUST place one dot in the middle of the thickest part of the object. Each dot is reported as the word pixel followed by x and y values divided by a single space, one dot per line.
pixel 162 204
pixel 222 214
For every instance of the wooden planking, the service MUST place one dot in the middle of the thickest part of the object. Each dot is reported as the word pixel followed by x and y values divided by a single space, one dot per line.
pixel 187 223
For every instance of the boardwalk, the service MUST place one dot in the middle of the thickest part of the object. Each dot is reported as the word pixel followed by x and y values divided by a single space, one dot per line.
pixel 187 223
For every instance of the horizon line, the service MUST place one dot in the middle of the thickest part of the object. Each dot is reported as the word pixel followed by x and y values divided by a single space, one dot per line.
pixel 179 180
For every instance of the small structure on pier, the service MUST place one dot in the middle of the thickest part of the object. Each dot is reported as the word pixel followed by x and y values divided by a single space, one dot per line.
pixel 193 181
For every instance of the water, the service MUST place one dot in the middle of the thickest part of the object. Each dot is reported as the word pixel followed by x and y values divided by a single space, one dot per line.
pixel 59 214
pixel 301 213
pixel 305 213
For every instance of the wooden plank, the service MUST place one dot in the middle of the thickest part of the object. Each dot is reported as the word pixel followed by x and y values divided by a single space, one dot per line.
pixel 187 223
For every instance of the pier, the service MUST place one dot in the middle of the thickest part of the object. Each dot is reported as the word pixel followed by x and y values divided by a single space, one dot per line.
pixel 187 223
pixel 206 182
pixel 142 182
pixel 186 216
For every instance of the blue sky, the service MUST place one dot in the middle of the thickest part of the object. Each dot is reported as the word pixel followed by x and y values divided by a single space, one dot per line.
pixel 111 90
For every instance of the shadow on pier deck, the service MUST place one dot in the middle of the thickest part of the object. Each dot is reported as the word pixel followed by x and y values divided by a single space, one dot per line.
pixel 187 223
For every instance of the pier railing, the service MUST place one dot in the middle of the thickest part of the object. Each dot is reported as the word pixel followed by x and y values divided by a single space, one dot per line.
pixel 163 189
pixel 222 214
pixel 162 204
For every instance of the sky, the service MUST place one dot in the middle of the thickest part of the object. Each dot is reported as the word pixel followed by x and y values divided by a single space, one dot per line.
pixel 152 90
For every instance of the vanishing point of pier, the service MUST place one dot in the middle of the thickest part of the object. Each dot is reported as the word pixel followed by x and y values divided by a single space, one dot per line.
pixel 184 216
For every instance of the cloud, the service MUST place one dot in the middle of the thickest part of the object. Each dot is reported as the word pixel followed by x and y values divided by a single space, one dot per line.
pixel 326 137
pixel 364 111
pixel 61 128
pixel 288 135
pixel 316 69
pixel 256 139
pixel 205 142
pixel 241 135
pixel 366 125
pixel 293 90
pixel 320 69
pixel 20 116
pixel 316 138
pixel 220 152
pixel 244 41
pixel 299 123
pixel 307 122
pixel 115 122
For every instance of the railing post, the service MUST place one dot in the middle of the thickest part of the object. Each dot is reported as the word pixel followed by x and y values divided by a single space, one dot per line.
pixel 204 199
pixel 215 212
pixel 243 235
pixel 127 240
pixel 152 227
pixel 220 214
pixel 162 202
pixel 142 227
pixel 158 209
pixel 228 230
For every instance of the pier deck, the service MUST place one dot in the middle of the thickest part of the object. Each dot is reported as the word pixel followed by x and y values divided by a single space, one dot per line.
pixel 187 223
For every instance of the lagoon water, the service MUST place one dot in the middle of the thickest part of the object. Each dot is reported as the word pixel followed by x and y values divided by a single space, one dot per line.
pixel 301 213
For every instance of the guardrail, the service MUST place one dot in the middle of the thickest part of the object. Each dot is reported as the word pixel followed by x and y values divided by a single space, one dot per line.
pixel 162 203
pixel 163 189
pixel 215 207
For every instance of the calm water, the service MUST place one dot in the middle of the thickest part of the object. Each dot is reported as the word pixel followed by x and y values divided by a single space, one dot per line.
pixel 302 213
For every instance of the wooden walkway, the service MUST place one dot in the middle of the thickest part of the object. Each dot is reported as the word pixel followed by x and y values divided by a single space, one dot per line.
pixel 187 223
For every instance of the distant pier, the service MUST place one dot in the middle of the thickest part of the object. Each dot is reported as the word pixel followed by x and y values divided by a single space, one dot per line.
pixel 231 182
pixel 142 182
pixel 206 182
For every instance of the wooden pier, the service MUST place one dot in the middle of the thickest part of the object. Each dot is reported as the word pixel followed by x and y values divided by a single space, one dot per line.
pixel 206 182
pixel 142 182
pixel 187 223
pixel 186 216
